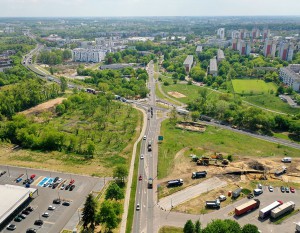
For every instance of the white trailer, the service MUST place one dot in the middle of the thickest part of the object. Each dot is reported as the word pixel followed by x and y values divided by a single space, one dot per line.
pixel 265 212
pixel 284 208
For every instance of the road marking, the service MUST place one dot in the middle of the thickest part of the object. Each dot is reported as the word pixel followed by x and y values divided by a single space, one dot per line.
pixel 49 222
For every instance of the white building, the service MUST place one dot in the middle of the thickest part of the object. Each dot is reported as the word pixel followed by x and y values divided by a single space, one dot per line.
pixel 88 55
pixel 220 55
pixel 199 49
pixel 291 76
pixel 188 63
pixel 221 33
pixel 213 67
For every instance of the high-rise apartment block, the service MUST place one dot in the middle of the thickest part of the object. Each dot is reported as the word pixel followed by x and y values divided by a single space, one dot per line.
pixel 286 51
pixel 270 48
pixel 266 33
pixel 255 33
pixel 88 55
pixel 221 33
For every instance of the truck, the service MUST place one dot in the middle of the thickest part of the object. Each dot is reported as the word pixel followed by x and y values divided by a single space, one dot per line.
pixel 298 226
pixel 286 160
pixel 282 209
pixel 201 174
pixel 246 207
pixel 150 183
pixel 281 172
pixel 174 183
pixel 266 212
pixel 213 204
pixel 182 111
pixel 236 193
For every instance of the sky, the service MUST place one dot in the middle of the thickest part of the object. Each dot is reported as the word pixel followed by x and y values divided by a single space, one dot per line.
pixel 103 8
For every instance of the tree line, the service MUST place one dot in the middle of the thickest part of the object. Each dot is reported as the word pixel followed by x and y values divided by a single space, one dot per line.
pixel 54 57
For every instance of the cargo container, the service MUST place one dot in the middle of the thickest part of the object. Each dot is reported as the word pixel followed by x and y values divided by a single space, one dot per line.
pixel 213 204
pixel 173 183
pixel 246 207
pixel 284 208
pixel 236 193
pixel 266 212
pixel 201 174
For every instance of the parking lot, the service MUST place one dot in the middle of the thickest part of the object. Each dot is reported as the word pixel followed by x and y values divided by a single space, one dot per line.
pixel 61 215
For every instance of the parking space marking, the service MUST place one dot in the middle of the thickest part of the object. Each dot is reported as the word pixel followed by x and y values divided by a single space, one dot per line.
pixel 49 222
pixel 38 180
pixel 43 181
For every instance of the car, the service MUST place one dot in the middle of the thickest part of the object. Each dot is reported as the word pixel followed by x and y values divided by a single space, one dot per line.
pixel 25 212
pixel 142 156
pixel 2 173
pixel 30 230
pixel 56 201
pixel 250 196
pixel 67 187
pixel 257 192
pixel 29 208
pixel 18 219
pixel 18 180
pixel 259 186
pixel 23 216
pixel 54 185
pixel 45 215
pixel 32 176
pixel 59 180
pixel 222 198
pixel 50 185
pixel 38 222
pixel 26 181
pixel 55 179
pixel 72 187
pixel 145 137
pixel 282 189
pixel 72 181
pixel 50 207
pixel 66 203
pixel 292 189
pixel 11 227
pixel 62 187
pixel 140 177
pixel 271 189
pixel 138 207
pixel 287 190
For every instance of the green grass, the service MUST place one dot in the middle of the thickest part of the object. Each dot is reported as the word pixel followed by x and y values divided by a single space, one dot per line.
pixel 161 96
pixel 167 229
pixel 214 139
pixel 271 102
pixel 133 190
pixel 256 86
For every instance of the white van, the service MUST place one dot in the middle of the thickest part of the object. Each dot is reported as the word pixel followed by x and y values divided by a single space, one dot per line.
pixel 286 160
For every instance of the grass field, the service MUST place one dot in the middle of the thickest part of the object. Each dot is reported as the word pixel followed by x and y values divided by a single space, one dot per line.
pixel 167 229
pixel 214 139
pixel 254 86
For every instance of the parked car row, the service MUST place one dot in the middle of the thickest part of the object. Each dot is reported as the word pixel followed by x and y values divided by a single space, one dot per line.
pixel 20 218
pixel 57 181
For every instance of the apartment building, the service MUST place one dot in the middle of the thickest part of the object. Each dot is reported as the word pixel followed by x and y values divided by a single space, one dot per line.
pixel 213 67
pixel 88 55
pixel 291 76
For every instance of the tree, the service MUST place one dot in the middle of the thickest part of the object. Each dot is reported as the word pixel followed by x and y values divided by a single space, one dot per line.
pixel 249 228
pixel 114 192
pixel 197 226
pixel 63 84
pixel 89 212
pixel 60 109
pixel 108 215
pixel 51 70
pixel 189 227
pixel 120 173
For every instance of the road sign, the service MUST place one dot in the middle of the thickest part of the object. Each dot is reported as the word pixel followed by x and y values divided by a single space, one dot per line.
pixel 160 138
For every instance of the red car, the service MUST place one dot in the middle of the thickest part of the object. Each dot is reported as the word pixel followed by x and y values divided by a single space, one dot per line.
pixel 140 177
pixel 292 189
pixel 72 181
pixel 32 176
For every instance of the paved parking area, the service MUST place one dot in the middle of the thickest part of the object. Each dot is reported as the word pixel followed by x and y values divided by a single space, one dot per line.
pixel 62 214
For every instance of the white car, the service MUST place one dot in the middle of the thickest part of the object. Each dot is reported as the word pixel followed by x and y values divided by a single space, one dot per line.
pixel 45 215
pixel 138 207
pixel 145 137
pixel 51 207
pixel 271 189
pixel 222 198
pixel 142 156
pixel 62 187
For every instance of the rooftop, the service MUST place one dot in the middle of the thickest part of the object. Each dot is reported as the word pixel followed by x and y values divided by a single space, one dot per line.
pixel 189 60
pixel 220 54
pixel 213 65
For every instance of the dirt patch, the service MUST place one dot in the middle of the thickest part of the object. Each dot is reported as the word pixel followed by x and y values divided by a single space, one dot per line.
pixel 176 94
pixel 43 107
pixel 191 126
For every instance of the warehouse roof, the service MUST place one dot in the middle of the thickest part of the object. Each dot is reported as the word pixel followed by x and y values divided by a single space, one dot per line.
pixel 13 196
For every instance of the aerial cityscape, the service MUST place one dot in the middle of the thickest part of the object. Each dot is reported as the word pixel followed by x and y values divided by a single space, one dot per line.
pixel 149 117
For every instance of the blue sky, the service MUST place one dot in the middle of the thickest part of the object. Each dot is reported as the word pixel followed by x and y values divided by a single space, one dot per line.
pixel 147 7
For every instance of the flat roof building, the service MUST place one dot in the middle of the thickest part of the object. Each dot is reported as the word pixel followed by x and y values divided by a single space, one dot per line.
pixel 188 63
pixel 220 55
pixel 291 76
pixel 199 49
pixel 213 67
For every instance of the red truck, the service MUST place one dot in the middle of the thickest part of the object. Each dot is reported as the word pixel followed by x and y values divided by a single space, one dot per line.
pixel 246 207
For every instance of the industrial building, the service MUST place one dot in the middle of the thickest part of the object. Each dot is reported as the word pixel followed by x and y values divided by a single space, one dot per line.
pixel 291 76
pixel 188 63
pixel 213 67
pixel 14 198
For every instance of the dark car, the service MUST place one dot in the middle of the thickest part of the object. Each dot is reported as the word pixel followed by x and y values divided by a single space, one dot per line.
pixel 26 212
pixel 66 203
pixel 29 208
pixel 72 187
pixel 23 216
pixel 11 227
pixel 55 179
pixel 18 219
pixel 56 201
pixel 250 196
pixel 68 186
pixel 54 185
pixel 38 222
pixel 2 173
pixel 31 230
pixel 26 181
pixel 282 189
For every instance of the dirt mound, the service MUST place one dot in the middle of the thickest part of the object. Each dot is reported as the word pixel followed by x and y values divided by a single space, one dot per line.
pixel 191 126
pixel 43 107
pixel 176 94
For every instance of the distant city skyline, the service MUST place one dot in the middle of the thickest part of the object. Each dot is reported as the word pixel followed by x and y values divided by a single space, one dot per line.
pixel 73 8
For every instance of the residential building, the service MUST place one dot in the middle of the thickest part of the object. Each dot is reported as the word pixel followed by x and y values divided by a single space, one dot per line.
pixel 213 67
pixel 9 30
pixel 220 55
pixel 221 33
pixel 199 49
pixel 188 63
pixel 255 33
pixel 291 76
pixel 88 55
pixel 235 44
pixel 286 51
pixel 243 33
pixel 244 47
pixel 235 34
pixel 269 48
pixel 266 33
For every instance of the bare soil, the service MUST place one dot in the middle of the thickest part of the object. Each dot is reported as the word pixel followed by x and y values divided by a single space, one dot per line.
pixel 176 94
pixel 43 107
pixel 191 126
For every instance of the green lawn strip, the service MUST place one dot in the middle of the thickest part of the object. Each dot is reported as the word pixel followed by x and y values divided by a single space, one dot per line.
pixel 161 96
pixel 167 229
pixel 133 190
pixel 255 86
pixel 213 139
pixel 285 216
